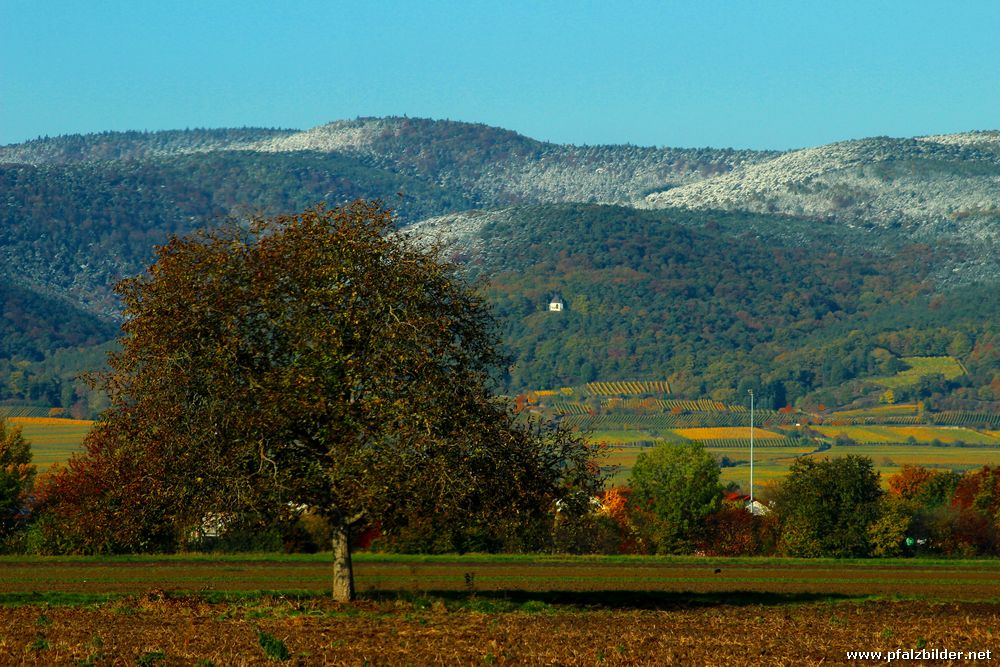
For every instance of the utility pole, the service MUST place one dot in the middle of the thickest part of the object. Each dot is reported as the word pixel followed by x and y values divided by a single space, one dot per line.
pixel 751 450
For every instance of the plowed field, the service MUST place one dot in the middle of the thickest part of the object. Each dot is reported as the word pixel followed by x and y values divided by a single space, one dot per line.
pixel 492 610
pixel 187 631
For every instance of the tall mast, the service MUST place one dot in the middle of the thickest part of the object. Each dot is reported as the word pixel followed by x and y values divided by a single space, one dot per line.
pixel 751 450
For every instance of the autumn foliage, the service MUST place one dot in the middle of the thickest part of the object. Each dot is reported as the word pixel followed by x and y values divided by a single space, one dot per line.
pixel 16 476
pixel 315 360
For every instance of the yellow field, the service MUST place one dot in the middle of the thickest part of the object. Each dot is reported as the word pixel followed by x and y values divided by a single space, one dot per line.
pixel 925 434
pixel 896 409
pixel 52 440
pixel 726 432
pixel 49 421
pixel 889 459
pixel 772 463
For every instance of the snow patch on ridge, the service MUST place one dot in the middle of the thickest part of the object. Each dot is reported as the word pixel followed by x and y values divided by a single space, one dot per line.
pixel 934 185
pixel 981 138
pixel 455 231
pixel 351 135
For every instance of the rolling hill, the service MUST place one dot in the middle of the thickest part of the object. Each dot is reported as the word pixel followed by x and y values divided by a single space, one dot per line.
pixel 931 188
pixel 799 270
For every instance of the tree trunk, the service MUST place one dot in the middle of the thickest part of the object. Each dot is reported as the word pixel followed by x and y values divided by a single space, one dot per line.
pixel 343 571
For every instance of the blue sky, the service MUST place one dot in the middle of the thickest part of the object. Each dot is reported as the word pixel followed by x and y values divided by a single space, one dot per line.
pixel 740 74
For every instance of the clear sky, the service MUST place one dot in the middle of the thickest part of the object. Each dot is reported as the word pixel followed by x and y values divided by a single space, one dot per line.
pixel 699 73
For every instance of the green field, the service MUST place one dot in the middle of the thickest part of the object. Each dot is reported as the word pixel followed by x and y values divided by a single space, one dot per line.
pixel 771 463
pixel 394 573
pixel 55 440
pixel 889 459
pixel 949 367
pixel 897 410
pixel 52 440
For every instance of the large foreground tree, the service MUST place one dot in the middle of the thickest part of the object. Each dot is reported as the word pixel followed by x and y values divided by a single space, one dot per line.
pixel 312 360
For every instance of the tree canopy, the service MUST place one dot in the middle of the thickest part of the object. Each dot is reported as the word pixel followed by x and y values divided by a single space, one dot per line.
pixel 827 507
pixel 677 485
pixel 16 475
pixel 312 360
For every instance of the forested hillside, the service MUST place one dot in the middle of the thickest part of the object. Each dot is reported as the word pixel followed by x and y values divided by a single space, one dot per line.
pixel 78 228
pixel 34 324
pixel 803 274
pixel 716 302
pixel 45 343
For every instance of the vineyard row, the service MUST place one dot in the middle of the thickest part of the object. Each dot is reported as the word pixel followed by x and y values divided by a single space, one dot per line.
pixel 668 421
pixel 628 388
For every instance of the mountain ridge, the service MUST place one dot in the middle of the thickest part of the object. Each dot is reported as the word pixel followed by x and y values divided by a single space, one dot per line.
pixel 916 219
pixel 920 183
pixel 497 166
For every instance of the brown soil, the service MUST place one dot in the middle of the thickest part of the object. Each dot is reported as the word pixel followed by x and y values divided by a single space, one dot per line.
pixel 160 629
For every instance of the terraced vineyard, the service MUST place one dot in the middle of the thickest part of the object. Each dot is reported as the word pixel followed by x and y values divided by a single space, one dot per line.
pixel 702 405
pixel 619 403
pixel 636 388
pixel 23 411
pixel 567 408
pixel 954 418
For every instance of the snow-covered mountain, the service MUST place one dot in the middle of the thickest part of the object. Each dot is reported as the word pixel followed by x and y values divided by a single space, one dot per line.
pixel 948 184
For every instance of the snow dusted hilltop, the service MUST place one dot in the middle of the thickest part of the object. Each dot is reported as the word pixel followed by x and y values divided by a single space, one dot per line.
pixel 488 165
pixel 500 166
pixel 943 183
pixel 948 183
pixel 83 211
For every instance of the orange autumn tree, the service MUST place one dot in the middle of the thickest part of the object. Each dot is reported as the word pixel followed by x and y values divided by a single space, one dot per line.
pixel 615 505
pixel 923 486
pixel 910 481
